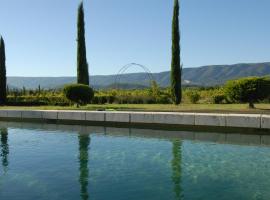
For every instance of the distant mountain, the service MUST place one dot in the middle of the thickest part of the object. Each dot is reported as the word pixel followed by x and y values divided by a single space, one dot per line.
pixel 204 76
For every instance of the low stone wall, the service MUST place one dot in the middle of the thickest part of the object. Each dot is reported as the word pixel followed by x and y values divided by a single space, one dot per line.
pixel 163 118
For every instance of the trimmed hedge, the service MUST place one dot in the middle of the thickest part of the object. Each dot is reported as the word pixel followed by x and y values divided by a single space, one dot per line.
pixel 78 93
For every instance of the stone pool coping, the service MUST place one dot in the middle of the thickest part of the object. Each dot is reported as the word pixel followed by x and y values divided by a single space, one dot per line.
pixel 169 119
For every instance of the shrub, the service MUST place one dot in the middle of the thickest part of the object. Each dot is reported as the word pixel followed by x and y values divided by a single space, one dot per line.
pixel 164 99
pixel 102 99
pixel 248 90
pixel 78 93
pixel 193 96
pixel 37 100
pixel 218 98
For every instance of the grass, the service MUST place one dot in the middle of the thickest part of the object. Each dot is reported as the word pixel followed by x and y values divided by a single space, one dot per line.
pixel 212 108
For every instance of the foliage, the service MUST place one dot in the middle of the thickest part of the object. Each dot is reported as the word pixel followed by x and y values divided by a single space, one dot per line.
pixel 78 93
pixel 248 90
pixel 3 79
pixel 153 95
pixel 219 97
pixel 82 65
pixel 37 100
pixel 176 68
pixel 193 96
pixel 135 96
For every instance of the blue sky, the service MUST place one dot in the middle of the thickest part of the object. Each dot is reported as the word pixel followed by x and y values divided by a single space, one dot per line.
pixel 40 35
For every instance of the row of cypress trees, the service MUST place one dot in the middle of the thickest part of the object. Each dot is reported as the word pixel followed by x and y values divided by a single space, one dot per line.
pixel 176 67
pixel 82 64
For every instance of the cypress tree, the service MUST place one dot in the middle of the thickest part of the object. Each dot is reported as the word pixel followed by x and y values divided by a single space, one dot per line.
pixel 176 68
pixel 3 79
pixel 82 65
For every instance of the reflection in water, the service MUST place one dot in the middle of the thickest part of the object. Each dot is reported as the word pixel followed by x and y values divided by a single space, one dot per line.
pixel 176 168
pixel 84 141
pixel 4 148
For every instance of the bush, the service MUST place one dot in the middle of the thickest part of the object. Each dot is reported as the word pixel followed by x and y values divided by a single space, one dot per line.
pixel 218 98
pixel 78 93
pixel 164 99
pixel 103 99
pixel 193 96
pixel 37 100
pixel 248 90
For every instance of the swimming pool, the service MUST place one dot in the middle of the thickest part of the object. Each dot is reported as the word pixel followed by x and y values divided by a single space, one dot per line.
pixel 48 161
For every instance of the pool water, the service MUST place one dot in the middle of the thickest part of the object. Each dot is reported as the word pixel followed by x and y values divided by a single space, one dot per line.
pixel 71 162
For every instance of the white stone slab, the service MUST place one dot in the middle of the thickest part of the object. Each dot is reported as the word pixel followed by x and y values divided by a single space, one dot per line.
pixel 14 113
pixel 174 118
pixel 3 113
pixel 210 119
pixel 265 121
pixel 243 120
pixel 49 114
pixel 143 117
pixel 31 114
pixel 163 118
pixel 95 116
pixel 71 115
pixel 117 117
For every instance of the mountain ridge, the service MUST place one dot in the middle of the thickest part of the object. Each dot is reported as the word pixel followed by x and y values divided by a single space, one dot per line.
pixel 208 75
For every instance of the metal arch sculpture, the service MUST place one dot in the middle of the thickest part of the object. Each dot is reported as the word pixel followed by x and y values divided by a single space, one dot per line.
pixel 126 67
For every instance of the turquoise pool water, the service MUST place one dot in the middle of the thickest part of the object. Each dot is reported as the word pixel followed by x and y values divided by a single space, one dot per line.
pixel 71 162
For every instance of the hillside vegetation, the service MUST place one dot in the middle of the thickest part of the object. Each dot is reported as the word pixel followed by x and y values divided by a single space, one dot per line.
pixel 202 76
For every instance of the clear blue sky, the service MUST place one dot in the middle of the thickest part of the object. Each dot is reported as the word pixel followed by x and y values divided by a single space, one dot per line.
pixel 40 35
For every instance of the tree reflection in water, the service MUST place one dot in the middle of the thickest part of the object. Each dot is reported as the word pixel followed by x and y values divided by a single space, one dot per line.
pixel 84 142
pixel 176 168
pixel 4 148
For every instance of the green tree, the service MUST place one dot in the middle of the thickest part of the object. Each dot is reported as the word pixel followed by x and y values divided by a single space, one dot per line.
pixel 176 67
pixel 3 78
pixel 248 89
pixel 39 90
pixel 82 65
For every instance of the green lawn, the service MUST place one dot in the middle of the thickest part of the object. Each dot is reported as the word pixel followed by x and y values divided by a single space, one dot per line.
pixel 222 108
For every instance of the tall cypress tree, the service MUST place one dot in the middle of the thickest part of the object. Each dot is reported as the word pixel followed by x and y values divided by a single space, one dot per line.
pixel 176 68
pixel 3 79
pixel 82 65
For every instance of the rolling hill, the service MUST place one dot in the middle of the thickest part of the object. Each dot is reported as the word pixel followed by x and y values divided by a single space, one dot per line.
pixel 204 76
